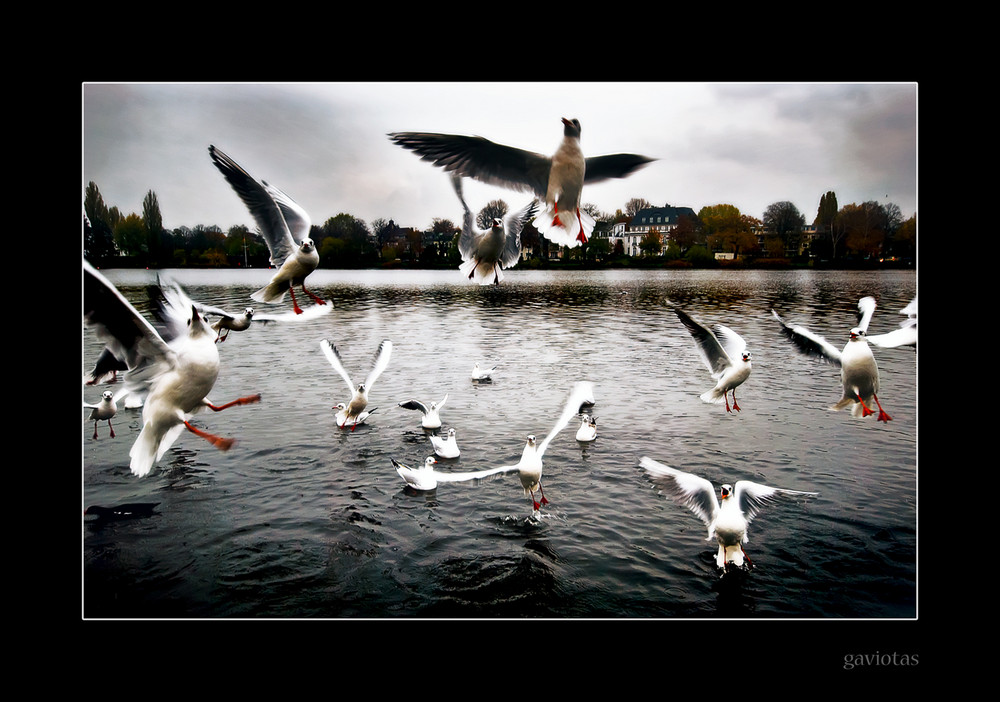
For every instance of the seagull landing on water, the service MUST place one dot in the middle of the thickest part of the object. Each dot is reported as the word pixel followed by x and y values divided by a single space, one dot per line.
pixel 103 411
pixel 486 254
pixel 858 371
pixel 353 413
pixel 724 353
pixel 285 226
pixel 232 321
pixel 174 371
pixel 727 515
pixel 558 179
pixel 431 414
pixel 529 468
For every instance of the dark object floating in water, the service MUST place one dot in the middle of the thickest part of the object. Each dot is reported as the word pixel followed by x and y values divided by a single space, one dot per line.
pixel 131 510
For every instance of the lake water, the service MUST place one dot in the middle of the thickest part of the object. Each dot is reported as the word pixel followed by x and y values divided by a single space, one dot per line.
pixel 305 520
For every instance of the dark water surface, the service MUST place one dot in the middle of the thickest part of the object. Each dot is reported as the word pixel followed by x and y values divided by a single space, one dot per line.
pixel 304 520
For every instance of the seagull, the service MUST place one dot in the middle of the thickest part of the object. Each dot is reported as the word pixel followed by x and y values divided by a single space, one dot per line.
pixel 529 468
pixel 426 478
pixel 103 410
pixel 558 179
pixel 431 418
pixel 173 372
pixel 481 374
pixel 285 226
pixel 105 369
pixel 858 370
pixel 727 519
pixel 232 321
pixel 724 353
pixel 588 428
pixel 906 335
pixel 486 254
pixel 356 421
pixel 446 447
pixel 352 412
pixel 130 510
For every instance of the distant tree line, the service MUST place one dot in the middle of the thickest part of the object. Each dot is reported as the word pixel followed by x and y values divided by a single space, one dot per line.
pixel 849 235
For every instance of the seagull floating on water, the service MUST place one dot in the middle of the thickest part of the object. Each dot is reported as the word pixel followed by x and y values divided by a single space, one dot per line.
pixel 725 355
pixel 103 411
pixel 486 254
pixel 557 179
pixel 482 374
pixel 447 446
pixel 285 226
pixel 353 413
pixel 173 372
pixel 588 428
pixel 858 371
pixel 728 515
pixel 431 414
pixel 906 335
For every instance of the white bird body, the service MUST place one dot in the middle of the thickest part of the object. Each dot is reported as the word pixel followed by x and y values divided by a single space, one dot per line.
pixel 588 428
pixel 529 468
pixel 353 412
pixel 558 179
pixel 446 446
pixel 430 414
pixel 231 321
pixel 486 254
pixel 285 226
pixel 479 373
pixel 426 477
pixel 173 375
pixel 724 353
pixel 104 410
pixel 859 374
pixel 344 419
pixel 728 519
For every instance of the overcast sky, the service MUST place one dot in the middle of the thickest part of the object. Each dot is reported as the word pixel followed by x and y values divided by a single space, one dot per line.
pixel 325 144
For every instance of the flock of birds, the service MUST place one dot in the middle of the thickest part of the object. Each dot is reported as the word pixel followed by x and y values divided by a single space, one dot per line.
pixel 171 366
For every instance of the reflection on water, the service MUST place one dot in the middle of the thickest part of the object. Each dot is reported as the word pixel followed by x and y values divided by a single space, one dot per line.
pixel 302 519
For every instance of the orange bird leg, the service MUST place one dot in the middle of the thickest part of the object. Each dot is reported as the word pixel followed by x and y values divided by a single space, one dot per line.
pixel 864 408
pixel 238 401
pixel 295 304
pixel 582 236
pixel 218 442
pixel 735 406
pixel 318 300
pixel 882 416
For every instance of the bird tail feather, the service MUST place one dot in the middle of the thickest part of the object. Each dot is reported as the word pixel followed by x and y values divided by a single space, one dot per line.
pixel 563 228
pixel 272 292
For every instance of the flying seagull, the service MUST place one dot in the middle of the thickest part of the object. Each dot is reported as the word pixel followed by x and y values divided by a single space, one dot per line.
pixel 351 412
pixel 285 226
pixel 173 369
pixel 858 371
pixel 558 179
pixel 486 254
pixel 724 353
pixel 728 515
